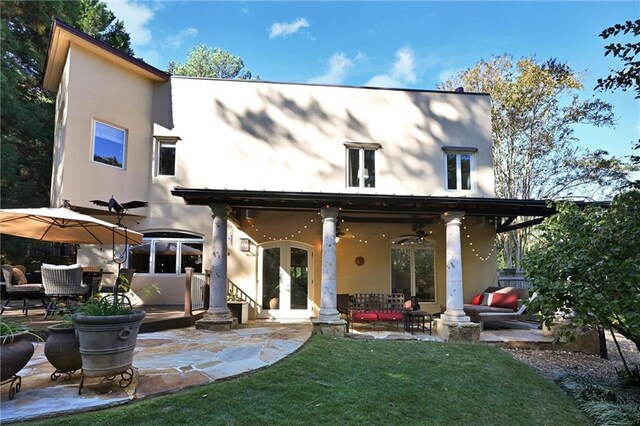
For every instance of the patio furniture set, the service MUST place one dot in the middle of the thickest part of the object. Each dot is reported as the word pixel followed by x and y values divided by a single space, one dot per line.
pixel 63 288
pixel 377 308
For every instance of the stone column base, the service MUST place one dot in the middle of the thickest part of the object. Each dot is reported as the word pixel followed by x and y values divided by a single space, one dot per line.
pixel 331 328
pixel 466 332
pixel 216 324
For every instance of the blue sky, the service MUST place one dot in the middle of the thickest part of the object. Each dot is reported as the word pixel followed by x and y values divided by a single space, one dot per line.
pixel 395 44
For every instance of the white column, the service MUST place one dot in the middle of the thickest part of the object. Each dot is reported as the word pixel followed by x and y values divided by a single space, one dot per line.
pixel 455 309
pixel 218 284
pixel 328 298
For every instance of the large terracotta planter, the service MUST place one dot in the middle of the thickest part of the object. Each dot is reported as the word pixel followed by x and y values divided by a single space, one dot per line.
pixel 62 349
pixel 14 355
pixel 107 343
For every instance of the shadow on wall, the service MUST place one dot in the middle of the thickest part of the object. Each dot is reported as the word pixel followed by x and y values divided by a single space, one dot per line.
pixel 290 121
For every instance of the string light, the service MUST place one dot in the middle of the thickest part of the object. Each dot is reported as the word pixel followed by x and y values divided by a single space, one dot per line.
pixel 473 250
pixel 268 237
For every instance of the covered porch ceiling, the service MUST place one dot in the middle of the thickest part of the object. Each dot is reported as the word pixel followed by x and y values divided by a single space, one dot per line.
pixel 379 208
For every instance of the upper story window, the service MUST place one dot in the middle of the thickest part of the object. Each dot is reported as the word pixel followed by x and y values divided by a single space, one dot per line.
pixel 459 168
pixel 109 144
pixel 166 159
pixel 167 253
pixel 361 164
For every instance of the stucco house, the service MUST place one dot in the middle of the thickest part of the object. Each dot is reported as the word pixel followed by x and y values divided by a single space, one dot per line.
pixel 290 191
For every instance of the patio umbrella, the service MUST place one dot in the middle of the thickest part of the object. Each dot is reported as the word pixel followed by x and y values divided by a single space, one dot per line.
pixel 62 225
pixel 165 248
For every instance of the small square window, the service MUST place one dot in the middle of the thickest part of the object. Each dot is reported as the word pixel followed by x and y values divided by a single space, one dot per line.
pixel 459 171
pixel 109 145
pixel 361 165
pixel 166 159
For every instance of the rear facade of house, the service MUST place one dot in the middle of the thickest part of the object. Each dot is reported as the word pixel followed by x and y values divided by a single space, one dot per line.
pixel 388 168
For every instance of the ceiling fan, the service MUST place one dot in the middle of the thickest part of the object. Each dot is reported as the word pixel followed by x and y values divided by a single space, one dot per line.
pixel 418 235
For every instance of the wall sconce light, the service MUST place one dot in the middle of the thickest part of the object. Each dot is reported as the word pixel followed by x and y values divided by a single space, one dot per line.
pixel 245 245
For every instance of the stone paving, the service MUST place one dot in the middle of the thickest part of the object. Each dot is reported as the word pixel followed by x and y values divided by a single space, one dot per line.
pixel 165 362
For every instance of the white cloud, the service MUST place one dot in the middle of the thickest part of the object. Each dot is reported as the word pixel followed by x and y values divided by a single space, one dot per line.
pixel 136 17
pixel 175 41
pixel 339 64
pixel 402 71
pixel 286 28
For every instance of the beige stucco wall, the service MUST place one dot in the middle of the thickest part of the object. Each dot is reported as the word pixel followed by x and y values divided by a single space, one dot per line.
pixel 97 90
pixel 253 135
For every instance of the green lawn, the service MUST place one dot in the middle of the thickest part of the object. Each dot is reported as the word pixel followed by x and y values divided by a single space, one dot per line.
pixel 341 381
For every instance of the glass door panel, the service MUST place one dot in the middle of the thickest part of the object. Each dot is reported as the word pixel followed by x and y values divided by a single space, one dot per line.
pixel 271 278
pixel 299 274
pixel 401 271
pixel 424 275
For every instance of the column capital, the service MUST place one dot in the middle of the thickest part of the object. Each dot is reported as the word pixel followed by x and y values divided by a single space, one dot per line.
pixel 220 209
pixel 452 216
pixel 329 213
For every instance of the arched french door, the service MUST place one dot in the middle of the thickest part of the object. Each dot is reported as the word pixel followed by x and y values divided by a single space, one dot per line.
pixel 284 288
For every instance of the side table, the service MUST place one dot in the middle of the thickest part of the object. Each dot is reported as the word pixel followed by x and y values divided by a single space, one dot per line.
pixel 417 320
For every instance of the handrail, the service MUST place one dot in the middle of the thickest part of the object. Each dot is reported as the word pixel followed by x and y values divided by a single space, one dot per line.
pixel 196 292
pixel 233 289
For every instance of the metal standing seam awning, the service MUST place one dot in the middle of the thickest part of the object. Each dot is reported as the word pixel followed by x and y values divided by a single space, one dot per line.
pixel 393 208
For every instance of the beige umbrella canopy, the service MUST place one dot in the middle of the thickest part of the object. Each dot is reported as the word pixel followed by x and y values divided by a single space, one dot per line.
pixel 63 226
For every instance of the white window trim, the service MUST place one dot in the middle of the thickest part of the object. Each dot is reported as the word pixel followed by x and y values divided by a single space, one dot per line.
pixel 361 147
pixel 428 245
pixel 472 165
pixel 167 143
pixel 124 144
pixel 179 242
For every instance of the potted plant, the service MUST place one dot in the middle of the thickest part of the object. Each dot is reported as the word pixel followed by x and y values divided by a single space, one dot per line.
pixel 62 348
pixel 16 351
pixel 107 331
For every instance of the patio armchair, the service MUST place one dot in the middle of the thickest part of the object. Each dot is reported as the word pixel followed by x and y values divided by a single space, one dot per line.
pixel 18 288
pixel 123 287
pixel 62 284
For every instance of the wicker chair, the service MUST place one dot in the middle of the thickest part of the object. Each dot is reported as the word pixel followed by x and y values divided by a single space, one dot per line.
pixel 62 284
pixel 23 292
pixel 123 286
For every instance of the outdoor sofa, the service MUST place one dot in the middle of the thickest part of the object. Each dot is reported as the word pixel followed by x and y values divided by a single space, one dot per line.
pixel 497 304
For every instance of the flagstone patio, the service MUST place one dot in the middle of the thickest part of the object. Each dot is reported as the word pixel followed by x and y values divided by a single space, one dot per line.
pixel 165 361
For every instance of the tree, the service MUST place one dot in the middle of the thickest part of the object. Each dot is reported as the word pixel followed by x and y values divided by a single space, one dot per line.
pixel 26 110
pixel 629 76
pixel 203 61
pixel 585 267
pixel 535 155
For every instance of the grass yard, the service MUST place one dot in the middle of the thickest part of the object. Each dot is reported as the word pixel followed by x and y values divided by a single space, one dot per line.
pixel 341 381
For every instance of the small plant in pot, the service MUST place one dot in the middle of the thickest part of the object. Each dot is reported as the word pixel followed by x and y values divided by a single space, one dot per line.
pixel 16 351
pixel 107 331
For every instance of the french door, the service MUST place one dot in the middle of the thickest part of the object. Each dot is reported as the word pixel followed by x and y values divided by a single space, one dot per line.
pixel 413 271
pixel 285 280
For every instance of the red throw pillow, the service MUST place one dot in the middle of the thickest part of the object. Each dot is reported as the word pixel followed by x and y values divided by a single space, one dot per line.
pixel 477 299
pixel 505 300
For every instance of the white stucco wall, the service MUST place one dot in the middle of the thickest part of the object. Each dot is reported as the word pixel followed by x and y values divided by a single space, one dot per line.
pixel 253 135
